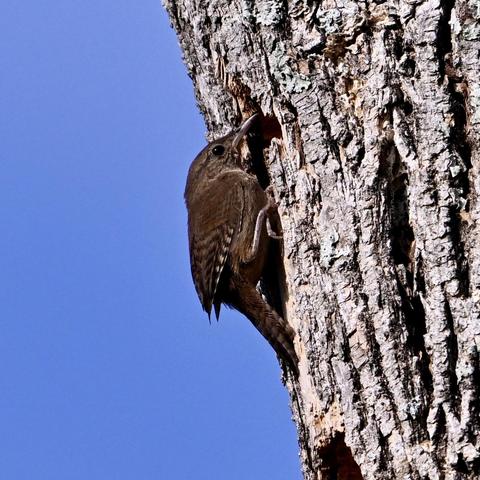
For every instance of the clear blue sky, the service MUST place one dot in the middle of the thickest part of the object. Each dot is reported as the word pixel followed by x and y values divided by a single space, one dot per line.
pixel 108 366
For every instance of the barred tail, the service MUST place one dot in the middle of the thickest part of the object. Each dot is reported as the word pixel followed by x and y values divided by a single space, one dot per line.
pixel 246 299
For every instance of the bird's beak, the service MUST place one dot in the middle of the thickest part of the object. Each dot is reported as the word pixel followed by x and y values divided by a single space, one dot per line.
pixel 243 130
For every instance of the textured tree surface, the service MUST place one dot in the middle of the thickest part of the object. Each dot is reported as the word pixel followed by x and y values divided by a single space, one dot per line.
pixel 371 140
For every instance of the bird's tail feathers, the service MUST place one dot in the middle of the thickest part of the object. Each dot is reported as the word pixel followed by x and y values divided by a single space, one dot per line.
pixel 246 299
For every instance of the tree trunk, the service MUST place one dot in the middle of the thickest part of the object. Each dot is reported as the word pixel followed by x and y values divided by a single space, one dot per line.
pixel 372 143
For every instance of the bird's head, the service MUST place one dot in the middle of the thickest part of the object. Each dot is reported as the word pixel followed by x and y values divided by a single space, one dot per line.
pixel 220 154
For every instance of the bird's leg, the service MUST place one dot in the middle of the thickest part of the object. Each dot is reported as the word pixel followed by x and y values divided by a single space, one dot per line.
pixel 262 214
pixel 271 232
pixel 272 207
pixel 258 231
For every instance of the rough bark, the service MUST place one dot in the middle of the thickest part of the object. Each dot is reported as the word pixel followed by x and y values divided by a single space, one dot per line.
pixel 373 126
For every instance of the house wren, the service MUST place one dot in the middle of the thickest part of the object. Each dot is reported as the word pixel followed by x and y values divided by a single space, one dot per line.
pixel 229 231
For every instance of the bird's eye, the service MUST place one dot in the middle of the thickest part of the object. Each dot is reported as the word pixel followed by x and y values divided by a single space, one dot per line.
pixel 218 150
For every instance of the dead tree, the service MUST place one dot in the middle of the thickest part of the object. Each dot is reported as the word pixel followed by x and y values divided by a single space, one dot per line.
pixel 371 140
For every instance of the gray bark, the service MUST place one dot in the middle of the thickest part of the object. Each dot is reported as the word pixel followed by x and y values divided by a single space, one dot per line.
pixel 374 110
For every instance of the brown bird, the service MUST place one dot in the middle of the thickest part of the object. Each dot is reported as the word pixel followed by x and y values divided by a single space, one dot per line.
pixel 229 231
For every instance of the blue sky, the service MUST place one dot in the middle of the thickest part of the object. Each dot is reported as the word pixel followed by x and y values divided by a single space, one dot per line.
pixel 109 369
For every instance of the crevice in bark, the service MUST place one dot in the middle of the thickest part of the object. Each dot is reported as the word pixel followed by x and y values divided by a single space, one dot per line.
pixel 385 454
pixel 290 108
pixel 460 182
pixel 402 242
pixel 331 141
pixel 439 439
pixel 419 285
pixel 273 284
pixel 401 233
pixel 458 107
pixel 452 346
pixel 444 35
pixel 414 315
pixel 285 24
pixel 475 407
pixel 375 361
pixel 461 466
pixel 337 462
pixel 405 56
pixel 462 275
pixel 207 36
pixel 407 65
pixel 407 107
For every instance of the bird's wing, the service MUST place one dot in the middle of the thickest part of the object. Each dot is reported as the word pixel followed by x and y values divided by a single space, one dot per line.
pixel 215 216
